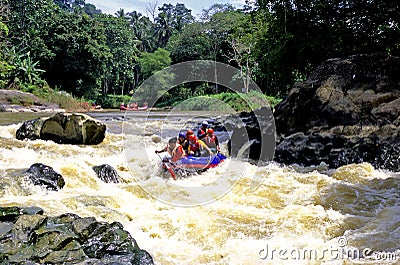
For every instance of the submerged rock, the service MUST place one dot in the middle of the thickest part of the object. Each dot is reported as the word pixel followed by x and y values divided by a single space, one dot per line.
pixel 347 111
pixel 107 173
pixel 43 175
pixel 64 128
pixel 29 237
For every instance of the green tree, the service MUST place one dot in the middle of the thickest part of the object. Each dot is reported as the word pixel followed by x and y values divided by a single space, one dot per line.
pixel 70 5
pixel 208 13
pixel 221 25
pixel 4 16
pixel 26 70
pixel 243 42
pixel 5 67
pixel 122 14
pixel 80 53
pixel 120 71
pixel 28 24
pixel 91 10
pixel 171 19
pixel 193 43
pixel 143 29
pixel 221 36
pixel 301 34
pixel 151 63
pixel 154 84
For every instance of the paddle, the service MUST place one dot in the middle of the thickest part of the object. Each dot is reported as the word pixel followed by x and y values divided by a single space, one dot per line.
pixel 169 169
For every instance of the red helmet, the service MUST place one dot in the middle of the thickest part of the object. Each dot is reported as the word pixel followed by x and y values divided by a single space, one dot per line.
pixel 210 131
pixel 192 138
pixel 189 132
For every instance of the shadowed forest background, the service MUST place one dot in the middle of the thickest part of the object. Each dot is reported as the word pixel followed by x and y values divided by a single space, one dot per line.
pixel 51 46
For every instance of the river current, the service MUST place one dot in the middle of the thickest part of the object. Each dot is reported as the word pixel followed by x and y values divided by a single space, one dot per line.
pixel 237 213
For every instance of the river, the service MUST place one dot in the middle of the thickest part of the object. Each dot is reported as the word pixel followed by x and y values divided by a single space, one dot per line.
pixel 237 213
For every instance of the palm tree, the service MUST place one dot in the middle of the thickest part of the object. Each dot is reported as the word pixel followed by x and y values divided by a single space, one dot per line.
pixel 172 18
pixel 142 28
pixel 121 14
pixel 163 29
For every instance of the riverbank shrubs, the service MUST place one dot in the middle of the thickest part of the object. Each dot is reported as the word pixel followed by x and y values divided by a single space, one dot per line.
pixel 65 100
pixel 227 101
pixel 114 101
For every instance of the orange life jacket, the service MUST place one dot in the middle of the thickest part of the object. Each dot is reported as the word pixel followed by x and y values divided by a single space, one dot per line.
pixel 211 141
pixel 177 153
pixel 196 147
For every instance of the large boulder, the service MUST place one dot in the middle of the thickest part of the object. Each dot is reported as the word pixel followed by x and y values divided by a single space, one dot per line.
pixel 252 134
pixel 27 236
pixel 64 128
pixel 347 111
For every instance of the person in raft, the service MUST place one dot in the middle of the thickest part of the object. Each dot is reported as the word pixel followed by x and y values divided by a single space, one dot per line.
pixel 198 147
pixel 174 149
pixel 202 132
pixel 211 141
pixel 188 133
pixel 182 141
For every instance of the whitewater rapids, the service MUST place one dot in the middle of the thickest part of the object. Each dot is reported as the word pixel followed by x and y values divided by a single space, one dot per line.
pixel 239 213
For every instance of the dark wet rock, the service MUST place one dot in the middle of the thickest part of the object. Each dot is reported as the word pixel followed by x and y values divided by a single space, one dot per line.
pixel 347 111
pixel 252 134
pixel 42 175
pixel 107 173
pixel 30 129
pixel 65 239
pixel 110 240
pixel 11 214
pixel 64 128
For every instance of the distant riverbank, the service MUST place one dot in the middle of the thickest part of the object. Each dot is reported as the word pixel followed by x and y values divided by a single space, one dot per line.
pixel 18 101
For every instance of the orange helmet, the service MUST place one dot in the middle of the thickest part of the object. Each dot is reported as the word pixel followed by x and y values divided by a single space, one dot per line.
pixel 210 131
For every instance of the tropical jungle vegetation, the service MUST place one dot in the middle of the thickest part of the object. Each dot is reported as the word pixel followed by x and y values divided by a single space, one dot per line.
pixel 71 46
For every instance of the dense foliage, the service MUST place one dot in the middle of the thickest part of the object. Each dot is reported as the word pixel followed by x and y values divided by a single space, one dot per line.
pixel 71 45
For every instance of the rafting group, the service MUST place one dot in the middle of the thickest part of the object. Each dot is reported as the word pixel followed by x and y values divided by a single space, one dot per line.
pixel 133 106
pixel 190 153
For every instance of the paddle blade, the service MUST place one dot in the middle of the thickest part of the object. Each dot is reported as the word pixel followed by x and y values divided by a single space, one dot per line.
pixel 171 172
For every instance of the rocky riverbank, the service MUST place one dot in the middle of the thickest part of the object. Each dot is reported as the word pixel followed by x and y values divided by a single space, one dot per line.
pixel 27 236
pixel 17 101
pixel 346 112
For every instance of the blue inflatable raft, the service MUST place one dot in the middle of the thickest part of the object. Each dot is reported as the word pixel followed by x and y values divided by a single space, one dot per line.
pixel 193 164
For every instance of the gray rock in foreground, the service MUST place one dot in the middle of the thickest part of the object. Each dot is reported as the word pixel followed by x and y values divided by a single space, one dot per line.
pixel 29 237
pixel 64 128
